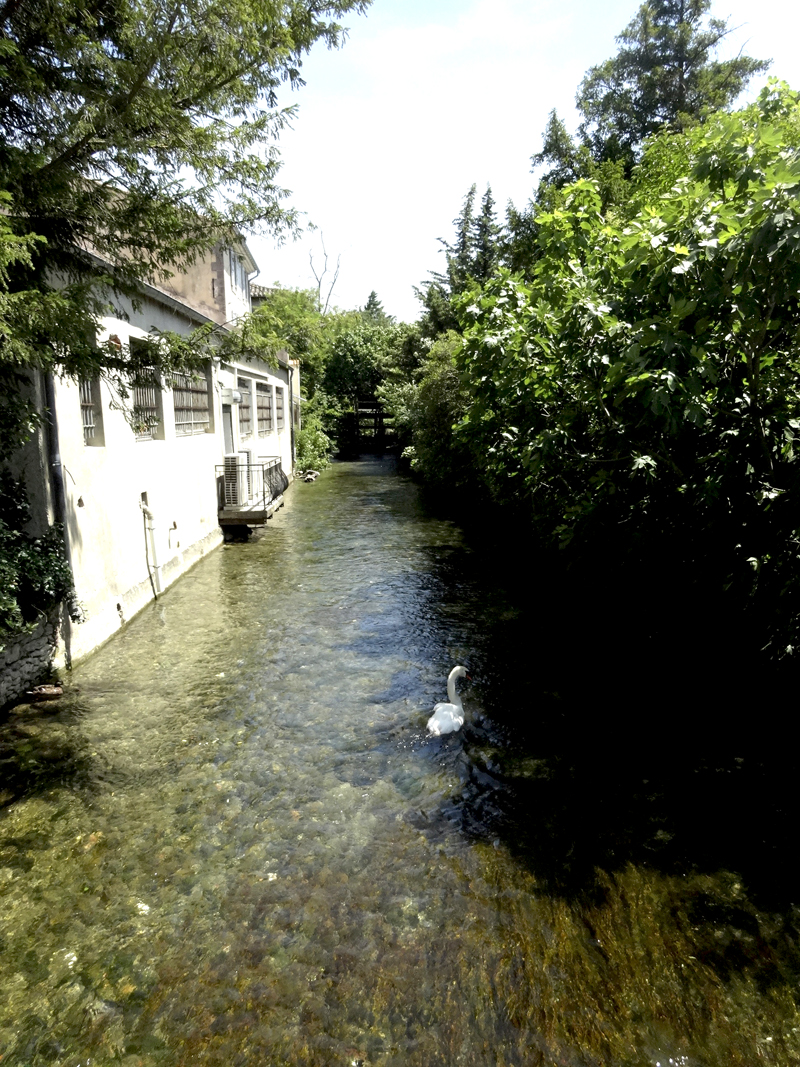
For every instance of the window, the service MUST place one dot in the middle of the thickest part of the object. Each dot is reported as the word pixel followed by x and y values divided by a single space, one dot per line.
pixel 245 414
pixel 264 408
pixel 190 401
pixel 279 419
pixel 145 393
pixel 91 416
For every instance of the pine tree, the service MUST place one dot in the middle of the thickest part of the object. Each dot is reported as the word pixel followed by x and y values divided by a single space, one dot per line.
pixel 664 73
pixel 486 233
pixel 373 309
pixel 460 254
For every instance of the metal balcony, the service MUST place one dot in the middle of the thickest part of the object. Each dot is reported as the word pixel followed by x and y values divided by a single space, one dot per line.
pixel 249 491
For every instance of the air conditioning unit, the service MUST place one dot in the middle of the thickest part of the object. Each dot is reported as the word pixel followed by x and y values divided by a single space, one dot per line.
pixel 235 482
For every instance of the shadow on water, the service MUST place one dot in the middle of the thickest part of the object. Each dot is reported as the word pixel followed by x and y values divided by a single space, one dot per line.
pixel 611 711
pixel 40 748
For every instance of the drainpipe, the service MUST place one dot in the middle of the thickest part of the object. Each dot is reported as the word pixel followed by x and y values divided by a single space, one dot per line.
pixel 154 572
pixel 54 458
pixel 59 496
pixel 290 376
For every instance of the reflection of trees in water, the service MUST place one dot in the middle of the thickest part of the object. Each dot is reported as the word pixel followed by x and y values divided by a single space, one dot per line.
pixel 668 876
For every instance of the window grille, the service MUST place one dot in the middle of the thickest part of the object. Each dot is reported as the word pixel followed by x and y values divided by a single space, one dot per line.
pixel 245 414
pixel 145 390
pixel 264 408
pixel 190 401
pixel 145 408
pixel 279 419
pixel 88 412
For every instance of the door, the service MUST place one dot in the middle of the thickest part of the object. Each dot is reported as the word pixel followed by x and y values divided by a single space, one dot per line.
pixel 227 427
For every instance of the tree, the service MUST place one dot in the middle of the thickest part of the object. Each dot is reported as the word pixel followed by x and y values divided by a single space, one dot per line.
pixel 485 240
pixel 664 73
pixel 474 237
pixel 570 161
pixel 134 134
pixel 639 393
pixel 139 132
pixel 319 275
pixel 373 309
pixel 559 150
pixel 459 260
pixel 290 319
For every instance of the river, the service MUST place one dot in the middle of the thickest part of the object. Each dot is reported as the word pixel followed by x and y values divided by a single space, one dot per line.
pixel 232 841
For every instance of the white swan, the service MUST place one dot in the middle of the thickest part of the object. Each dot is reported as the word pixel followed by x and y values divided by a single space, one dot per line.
pixel 448 718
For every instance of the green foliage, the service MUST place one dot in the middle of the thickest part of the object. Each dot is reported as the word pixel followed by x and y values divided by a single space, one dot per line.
pixel 359 354
pixel 373 309
pixel 290 320
pixel 313 444
pixel 34 575
pixel 664 73
pixel 425 407
pixel 140 133
pixel 572 161
pixel 641 387
pixel 472 256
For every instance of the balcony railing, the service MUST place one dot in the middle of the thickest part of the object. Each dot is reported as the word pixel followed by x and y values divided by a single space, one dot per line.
pixel 248 491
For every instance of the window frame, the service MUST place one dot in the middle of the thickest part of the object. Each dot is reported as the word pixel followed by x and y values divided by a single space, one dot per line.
pixel 197 387
pixel 146 394
pixel 245 387
pixel 265 422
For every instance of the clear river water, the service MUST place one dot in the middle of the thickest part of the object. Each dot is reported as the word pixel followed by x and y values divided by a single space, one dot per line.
pixel 232 841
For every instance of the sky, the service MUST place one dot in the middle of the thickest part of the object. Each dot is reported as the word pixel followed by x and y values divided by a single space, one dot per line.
pixel 427 97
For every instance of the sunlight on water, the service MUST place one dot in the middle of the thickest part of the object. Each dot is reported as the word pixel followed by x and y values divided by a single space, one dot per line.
pixel 232 842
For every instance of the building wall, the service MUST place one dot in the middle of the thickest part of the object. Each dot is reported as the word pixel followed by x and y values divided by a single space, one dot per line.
pixel 277 442
pixel 121 554
pixel 119 558
pixel 218 284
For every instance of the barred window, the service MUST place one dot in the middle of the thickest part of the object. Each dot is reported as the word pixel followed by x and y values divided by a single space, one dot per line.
pixel 146 416
pixel 279 419
pixel 190 401
pixel 264 408
pixel 245 414
pixel 145 391
pixel 90 411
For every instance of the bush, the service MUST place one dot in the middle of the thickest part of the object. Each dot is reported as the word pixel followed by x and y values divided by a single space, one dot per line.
pixel 34 573
pixel 313 444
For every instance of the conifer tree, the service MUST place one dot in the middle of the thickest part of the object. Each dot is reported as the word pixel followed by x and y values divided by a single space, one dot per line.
pixel 373 309
pixel 664 73
pixel 485 255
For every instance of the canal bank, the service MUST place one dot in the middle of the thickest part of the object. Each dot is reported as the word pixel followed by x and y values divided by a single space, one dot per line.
pixel 234 842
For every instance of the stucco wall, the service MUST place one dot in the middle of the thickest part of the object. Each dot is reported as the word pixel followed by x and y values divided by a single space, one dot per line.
pixel 122 555
pixel 276 442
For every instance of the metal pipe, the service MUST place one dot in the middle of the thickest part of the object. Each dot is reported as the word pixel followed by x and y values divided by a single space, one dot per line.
pixel 290 376
pixel 59 497
pixel 54 459
pixel 149 525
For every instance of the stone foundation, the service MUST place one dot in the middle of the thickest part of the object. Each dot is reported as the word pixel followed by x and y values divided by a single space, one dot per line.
pixel 28 659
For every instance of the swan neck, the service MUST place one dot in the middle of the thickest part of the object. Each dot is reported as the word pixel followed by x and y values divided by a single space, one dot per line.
pixel 452 696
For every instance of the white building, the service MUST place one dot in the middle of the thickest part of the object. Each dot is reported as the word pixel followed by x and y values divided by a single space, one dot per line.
pixel 141 503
